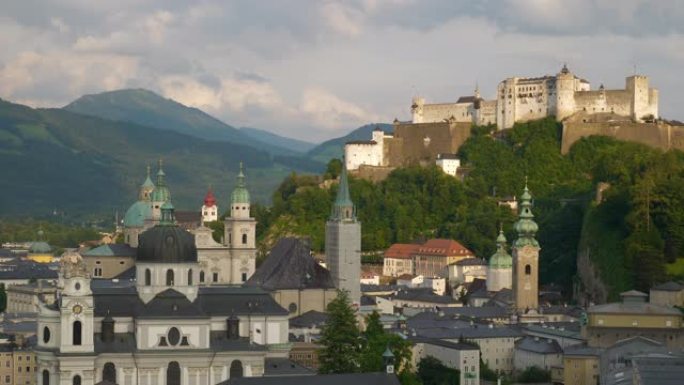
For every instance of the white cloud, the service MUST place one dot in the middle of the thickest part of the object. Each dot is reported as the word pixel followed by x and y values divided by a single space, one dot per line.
pixel 329 111
pixel 342 18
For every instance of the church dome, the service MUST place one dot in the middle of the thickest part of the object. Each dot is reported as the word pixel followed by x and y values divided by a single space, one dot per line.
pixel 240 194
pixel 40 247
pixel 166 244
pixel 137 213
pixel 501 259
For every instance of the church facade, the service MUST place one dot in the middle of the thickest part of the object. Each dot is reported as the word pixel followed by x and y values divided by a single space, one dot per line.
pixel 231 261
pixel 162 328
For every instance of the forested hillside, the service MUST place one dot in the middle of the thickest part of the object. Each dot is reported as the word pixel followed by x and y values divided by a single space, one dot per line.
pixel 629 237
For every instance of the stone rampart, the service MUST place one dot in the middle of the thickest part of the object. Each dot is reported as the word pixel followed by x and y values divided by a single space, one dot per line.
pixel 658 135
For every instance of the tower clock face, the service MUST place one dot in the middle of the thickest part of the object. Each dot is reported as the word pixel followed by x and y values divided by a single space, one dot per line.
pixel 77 309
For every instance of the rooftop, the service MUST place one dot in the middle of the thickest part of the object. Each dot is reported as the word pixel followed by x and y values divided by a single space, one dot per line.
pixel 111 250
pixel 401 251
pixel 319 379
pixel 443 247
pixel 538 345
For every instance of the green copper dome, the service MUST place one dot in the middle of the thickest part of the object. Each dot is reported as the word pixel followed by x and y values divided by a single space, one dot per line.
pixel 501 259
pixel 40 247
pixel 240 194
pixel 161 193
pixel 526 226
pixel 137 214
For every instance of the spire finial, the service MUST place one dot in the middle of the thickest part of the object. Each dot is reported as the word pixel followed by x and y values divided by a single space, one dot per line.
pixel 148 170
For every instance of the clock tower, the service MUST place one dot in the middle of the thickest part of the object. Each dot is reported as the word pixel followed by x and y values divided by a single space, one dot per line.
pixel 76 305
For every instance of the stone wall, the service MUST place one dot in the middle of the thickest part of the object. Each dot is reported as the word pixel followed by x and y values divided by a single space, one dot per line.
pixel 658 135
pixel 419 144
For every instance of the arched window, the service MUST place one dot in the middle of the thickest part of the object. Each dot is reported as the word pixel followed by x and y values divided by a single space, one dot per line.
pixel 189 277
pixel 528 269
pixel 76 380
pixel 46 334
pixel 236 369
pixel 76 330
pixel 109 373
pixel 169 277
pixel 201 277
pixel 244 239
pixel 173 374
pixel 46 377
pixel 148 277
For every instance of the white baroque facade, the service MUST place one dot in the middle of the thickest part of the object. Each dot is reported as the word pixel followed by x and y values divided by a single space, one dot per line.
pixel 162 329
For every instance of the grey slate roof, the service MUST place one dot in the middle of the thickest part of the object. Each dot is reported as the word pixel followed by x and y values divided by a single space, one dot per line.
pixel 284 367
pixel 538 345
pixel 211 301
pixel 324 379
pixel 446 344
pixel 309 319
pixel 659 371
pixel 470 332
pixel 111 250
pixel 21 269
pixel 669 286
pixel 471 262
pixel 422 295
pixel 582 350
pixel 289 265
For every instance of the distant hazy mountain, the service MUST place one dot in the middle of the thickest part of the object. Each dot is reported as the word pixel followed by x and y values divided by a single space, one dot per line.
pixel 277 140
pixel 149 109
pixel 86 166
pixel 334 148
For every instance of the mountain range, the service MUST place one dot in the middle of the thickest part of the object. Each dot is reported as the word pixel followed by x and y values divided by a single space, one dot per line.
pixel 87 159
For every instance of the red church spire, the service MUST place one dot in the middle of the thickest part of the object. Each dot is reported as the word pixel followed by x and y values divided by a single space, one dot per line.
pixel 209 199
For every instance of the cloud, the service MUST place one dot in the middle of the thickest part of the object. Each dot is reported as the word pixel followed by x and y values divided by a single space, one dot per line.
pixel 307 68
pixel 330 112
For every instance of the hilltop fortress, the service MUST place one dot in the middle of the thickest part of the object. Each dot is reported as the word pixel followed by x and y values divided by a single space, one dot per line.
pixel 441 128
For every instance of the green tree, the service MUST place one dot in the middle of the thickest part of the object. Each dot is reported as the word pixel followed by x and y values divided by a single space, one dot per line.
pixel 376 340
pixel 333 169
pixel 431 371
pixel 534 374
pixel 3 298
pixel 340 338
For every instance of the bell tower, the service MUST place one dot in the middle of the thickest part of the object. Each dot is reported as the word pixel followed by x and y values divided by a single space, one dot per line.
pixel 240 234
pixel 343 242
pixel 526 258
pixel 76 305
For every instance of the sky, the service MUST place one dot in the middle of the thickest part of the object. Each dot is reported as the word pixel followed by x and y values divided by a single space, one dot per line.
pixel 314 70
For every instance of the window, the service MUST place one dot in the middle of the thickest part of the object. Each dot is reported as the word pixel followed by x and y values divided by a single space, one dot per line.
pixel 169 277
pixel 244 239
pixel 214 277
pixel 173 374
pixel 244 277
pixel 97 272
pixel 201 277
pixel 528 269
pixel 148 277
pixel 8 379
pixel 189 277
pixel 109 373
pixel 235 369
pixel 76 331
pixel 76 380
pixel 174 336
pixel 46 377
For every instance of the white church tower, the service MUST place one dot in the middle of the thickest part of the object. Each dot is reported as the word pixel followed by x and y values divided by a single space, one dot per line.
pixel 500 271
pixel 240 232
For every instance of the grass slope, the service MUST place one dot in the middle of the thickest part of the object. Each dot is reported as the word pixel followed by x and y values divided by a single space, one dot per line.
pixel 85 166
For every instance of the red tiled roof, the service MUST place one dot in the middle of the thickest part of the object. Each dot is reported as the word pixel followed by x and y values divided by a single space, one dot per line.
pixel 443 247
pixel 401 251
pixel 406 277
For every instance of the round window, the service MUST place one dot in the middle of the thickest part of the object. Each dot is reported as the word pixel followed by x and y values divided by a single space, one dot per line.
pixel 46 334
pixel 77 286
pixel 170 240
pixel 292 308
pixel 174 336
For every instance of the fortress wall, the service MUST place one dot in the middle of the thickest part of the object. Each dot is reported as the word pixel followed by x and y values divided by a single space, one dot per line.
pixel 422 142
pixel 372 173
pixel 662 136
pixel 433 113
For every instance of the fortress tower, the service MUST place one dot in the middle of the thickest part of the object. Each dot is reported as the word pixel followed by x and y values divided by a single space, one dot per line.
pixel 565 93
pixel 526 258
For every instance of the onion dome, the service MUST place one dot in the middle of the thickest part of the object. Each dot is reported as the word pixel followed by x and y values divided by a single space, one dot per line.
pixel 161 192
pixel 137 214
pixel 40 247
pixel 240 194
pixel 146 188
pixel 209 199
pixel 166 242
pixel 526 226
pixel 501 259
